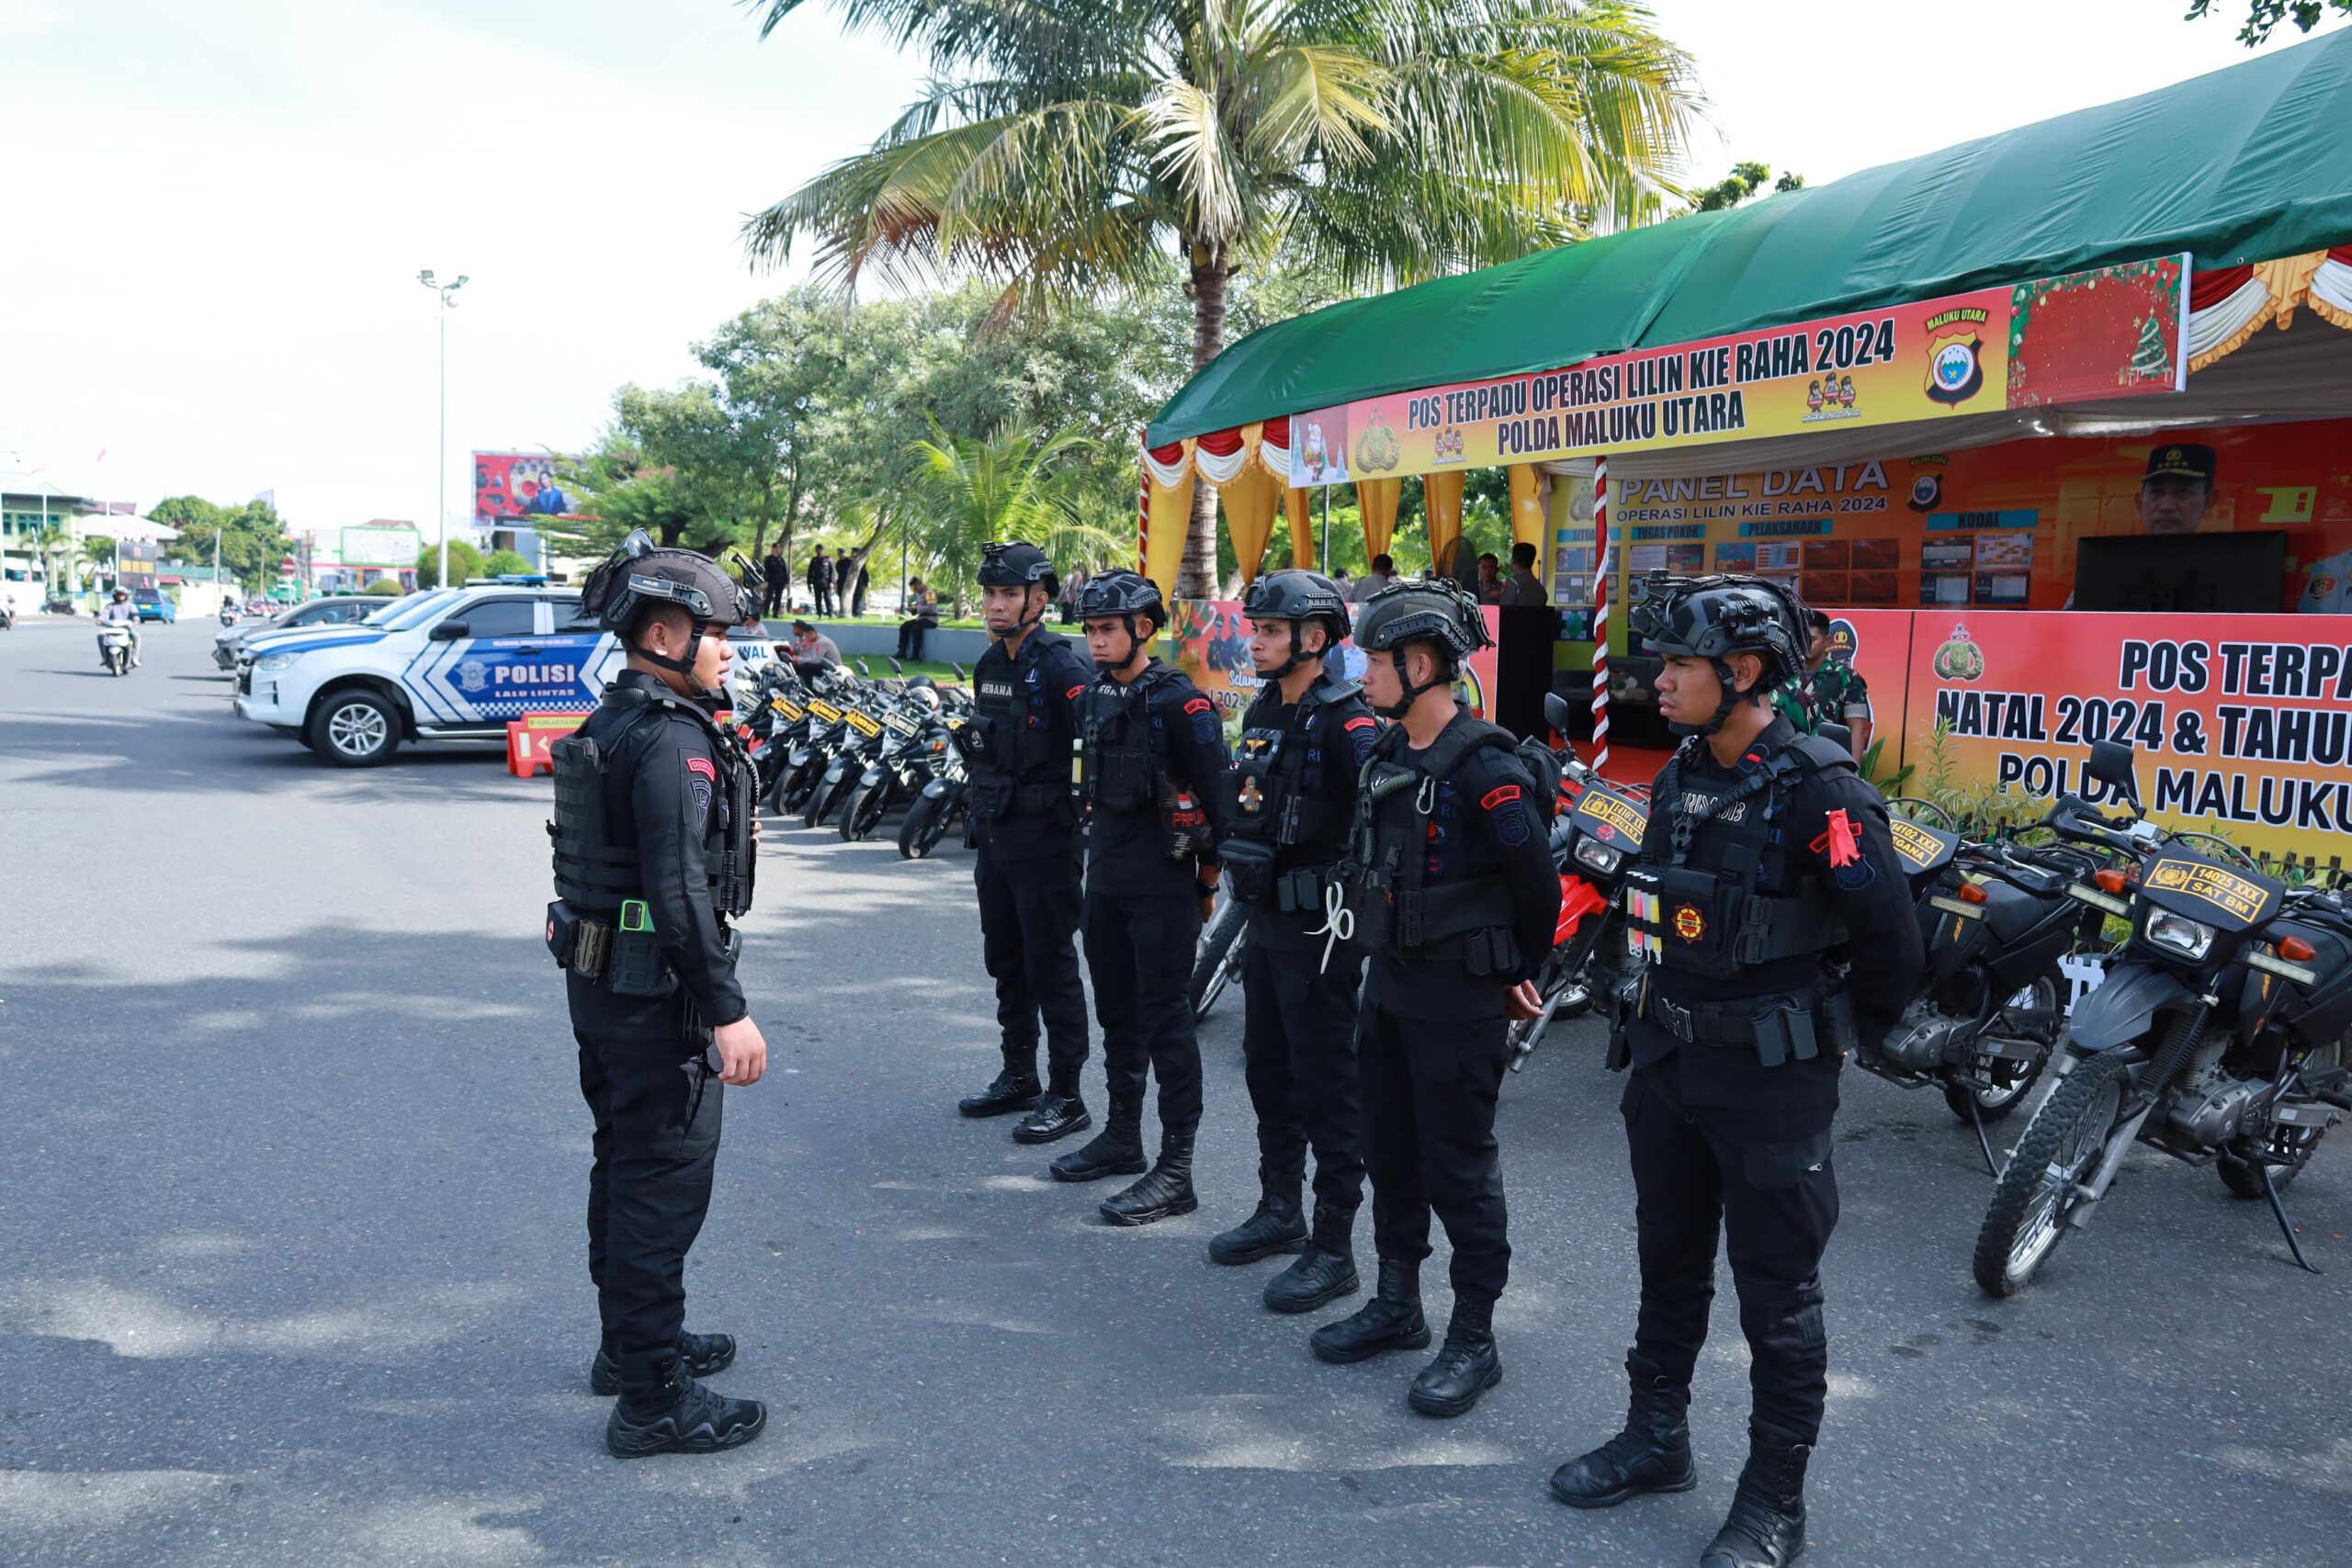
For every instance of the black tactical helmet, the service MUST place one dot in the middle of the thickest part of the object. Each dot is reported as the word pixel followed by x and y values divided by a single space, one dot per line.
pixel 1121 593
pixel 1016 564
pixel 1432 609
pixel 1298 595
pixel 640 575
pixel 1714 617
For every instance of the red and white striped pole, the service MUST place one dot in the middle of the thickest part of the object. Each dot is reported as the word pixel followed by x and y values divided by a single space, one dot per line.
pixel 1600 612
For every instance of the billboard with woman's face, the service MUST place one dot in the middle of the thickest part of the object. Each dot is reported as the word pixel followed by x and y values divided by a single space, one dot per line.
pixel 511 487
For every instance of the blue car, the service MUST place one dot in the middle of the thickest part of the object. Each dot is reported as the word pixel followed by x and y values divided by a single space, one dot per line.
pixel 153 605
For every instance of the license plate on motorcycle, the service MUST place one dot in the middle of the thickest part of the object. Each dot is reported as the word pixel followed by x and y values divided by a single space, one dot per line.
pixel 791 712
pixel 904 726
pixel 1954 906
pixel 863 724
pixel 825 711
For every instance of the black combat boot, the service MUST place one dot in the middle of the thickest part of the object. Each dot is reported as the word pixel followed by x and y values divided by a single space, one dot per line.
pixel 680 1417
pixel 1390 1321
pixel 1467 1364
pixel 1652 1454
pixel 1116 1150
pixel 1057 1115
pixel 1015 1088
pixel 705 1355
pixel 1166 1192
pixel 1766 1529
pixel 1275 1226
pixel 1324 1272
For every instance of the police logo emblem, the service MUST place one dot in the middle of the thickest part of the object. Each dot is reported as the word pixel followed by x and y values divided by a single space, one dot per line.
pixel 472 676
pixel 1955 368
pixel 1689 923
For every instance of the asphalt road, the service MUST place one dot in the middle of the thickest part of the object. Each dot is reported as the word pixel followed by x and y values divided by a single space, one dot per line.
pixel 291 1253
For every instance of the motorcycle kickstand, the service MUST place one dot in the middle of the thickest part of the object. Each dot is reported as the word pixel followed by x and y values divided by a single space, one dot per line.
pixel 2278 1211
pixel 1976 1120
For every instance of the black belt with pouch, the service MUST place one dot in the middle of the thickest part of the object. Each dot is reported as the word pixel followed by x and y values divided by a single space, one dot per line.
pixel 1794 1026
pixel 622 956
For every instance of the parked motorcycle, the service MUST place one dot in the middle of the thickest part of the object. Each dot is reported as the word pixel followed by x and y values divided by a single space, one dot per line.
pixel 2217 1037
pixel 1216 958
pixel 1996 920
pixel 1596 833
pixel 115 648
pixel 912 753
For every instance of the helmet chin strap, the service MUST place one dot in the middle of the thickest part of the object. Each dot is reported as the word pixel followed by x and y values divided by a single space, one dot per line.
pixel 1731 698
pixel 1411 694
pixel 1296 658
pixel 682 666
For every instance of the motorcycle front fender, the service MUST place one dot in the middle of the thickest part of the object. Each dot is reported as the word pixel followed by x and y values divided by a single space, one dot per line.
pixel 934 789
pixel 871 777
pixel 1578 898
pixel 2119 1012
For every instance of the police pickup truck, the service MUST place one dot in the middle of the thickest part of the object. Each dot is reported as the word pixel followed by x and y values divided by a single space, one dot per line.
pixel 452 664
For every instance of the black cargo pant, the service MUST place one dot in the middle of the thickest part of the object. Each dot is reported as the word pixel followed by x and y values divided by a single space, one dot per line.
pixel 656 1103
pixel 1763 1176
pixel 1298 1045
pixel 1029 912
pixel 1429 1118
pixel 1139 952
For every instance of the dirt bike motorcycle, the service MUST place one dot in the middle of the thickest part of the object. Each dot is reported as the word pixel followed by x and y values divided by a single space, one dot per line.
pixel 1595 836
pixel 2217 1037
pixel 914 742
pixel 1995 920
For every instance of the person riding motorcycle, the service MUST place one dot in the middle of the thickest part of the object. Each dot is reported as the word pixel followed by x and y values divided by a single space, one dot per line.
pixel 119 611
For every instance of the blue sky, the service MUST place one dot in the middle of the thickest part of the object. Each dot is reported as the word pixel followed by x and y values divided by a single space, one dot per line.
pixel 217 212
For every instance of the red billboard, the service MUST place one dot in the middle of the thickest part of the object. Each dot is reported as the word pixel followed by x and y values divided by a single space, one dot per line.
pixel 516 487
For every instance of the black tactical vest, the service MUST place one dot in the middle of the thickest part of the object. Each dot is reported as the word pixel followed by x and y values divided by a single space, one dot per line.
pixel 1120 746
pixel 594 875
pixel 1280 790
pixel 1696 903
pixel 1015 753
pixel 1469 920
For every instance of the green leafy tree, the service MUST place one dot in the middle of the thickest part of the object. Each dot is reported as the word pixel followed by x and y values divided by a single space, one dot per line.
pixel 1010 484
pixel 1744 181
pixel 2263 17
pixel 253 537
pixel 1070 146
pixel 507 563
pixel 387 587
pixel 464 564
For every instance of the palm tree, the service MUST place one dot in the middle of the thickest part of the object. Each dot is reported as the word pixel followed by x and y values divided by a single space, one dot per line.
pixel 59 551
pixel 1067 146
pixel 1010 484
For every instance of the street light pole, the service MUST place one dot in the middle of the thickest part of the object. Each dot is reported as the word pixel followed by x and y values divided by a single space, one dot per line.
pixel 447 291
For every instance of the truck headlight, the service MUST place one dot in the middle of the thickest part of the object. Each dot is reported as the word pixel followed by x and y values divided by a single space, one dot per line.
pixel 2179 933
pixel 1601 857
pixel 276 660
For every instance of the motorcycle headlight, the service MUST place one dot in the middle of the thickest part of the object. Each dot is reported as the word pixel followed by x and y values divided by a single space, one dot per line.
pixel 1602 858
pixel 2179 933
pixel 276 660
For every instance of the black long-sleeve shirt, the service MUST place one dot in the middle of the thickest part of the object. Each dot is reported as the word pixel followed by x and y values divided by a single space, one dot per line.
pixel 1126 851
pixel 664 797
pixel 1485 824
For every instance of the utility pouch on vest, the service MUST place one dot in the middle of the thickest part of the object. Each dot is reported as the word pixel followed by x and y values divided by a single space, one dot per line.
pixel 636 965
pixel 1297 892
pixel 577 941
pixel 1683 918
pixel 1248 867
pixel 991 796
pixel 971 741
pixel 1837 1021
pixel 1784 1030
pixel 1254 789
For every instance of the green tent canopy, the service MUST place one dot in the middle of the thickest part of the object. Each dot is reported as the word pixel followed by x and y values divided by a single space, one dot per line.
pixel 2242 165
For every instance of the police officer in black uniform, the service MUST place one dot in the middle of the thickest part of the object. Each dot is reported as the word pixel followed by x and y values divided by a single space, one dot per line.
pixel 654 836
pixel 1289 802
pixel 1453 892
pixel 1025 826
pixel 1771 929
pixel 1152 758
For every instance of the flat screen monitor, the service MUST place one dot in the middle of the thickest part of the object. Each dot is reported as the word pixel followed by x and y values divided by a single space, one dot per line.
pixel 2240 573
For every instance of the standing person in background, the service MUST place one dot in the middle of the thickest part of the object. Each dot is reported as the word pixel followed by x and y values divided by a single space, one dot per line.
pixel 1068 604
pixel 1383 573
pixel 922 615
pixel 776 572
pixel 821 584
pixel 1490 579
pixel 1523 588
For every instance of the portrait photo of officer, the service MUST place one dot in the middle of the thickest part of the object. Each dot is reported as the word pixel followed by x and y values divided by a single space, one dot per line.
pixel 1289 803
pixel 1028 864
pixel 2177 487
pixel 1772 931
pixel 1450 883
pixel 655 835
pixel 1151 762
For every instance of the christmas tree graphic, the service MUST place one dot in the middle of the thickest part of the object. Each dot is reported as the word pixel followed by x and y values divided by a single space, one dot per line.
pixel 2151 361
